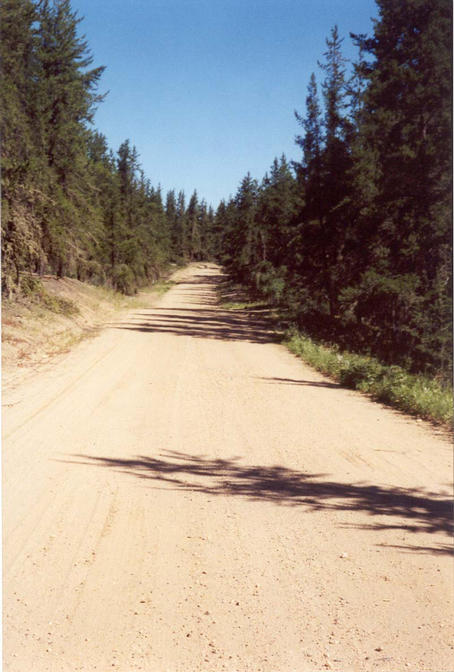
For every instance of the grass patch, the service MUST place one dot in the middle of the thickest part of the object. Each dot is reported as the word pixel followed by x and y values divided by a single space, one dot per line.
pixel 392 385
pixel 243 305
pixel 416 395
pixel 162 286
pixel 59 305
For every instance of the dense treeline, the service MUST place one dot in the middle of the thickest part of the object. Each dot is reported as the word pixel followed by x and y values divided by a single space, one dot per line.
pixel 70 206
pixel 354 240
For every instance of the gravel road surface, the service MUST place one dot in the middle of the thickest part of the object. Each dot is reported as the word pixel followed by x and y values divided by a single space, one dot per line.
pixel 181 494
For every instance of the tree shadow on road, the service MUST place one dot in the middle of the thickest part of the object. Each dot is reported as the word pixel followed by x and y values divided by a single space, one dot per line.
pixel 214 279
pixel 203 323
pixel 406 509
pixel 292 381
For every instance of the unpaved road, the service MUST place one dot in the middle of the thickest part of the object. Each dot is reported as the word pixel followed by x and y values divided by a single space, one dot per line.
pixel 182 494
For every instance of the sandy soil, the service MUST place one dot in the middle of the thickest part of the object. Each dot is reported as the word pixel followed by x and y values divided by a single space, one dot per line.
pixel 181 494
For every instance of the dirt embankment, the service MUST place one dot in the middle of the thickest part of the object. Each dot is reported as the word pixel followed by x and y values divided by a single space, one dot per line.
pixel 56 315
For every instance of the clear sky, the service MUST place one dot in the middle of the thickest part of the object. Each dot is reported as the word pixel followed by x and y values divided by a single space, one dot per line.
pixel 206 89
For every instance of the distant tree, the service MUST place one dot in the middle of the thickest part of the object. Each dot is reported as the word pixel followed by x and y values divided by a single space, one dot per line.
pixel 224 219
pixel 204 225
pixel 182 227
pixel 193 227
pixel 172 223
pixel 244 237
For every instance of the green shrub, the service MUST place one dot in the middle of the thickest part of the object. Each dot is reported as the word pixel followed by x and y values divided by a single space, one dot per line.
pixel 269 282
pixel 58 304
pixel 32 289
pixel 123 279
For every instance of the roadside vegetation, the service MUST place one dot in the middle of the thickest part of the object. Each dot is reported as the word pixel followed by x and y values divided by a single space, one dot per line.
pixel 420 395
pixel 417 395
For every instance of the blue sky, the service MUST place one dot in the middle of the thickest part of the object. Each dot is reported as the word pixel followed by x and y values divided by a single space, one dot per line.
pixel 206 89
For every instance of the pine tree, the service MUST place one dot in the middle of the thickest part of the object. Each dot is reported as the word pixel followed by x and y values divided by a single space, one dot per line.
pixel 181 227
pixel 309 170
pixel 278 203
pixel 17 50
pixel 244 237
pixel 21 233
pixel 172 223
pixel 210 244
pixel 105 198
pixel 68 87
pixel 336 166
pixel 223 226
pixel 204 230
pixel 193 227
pixel 405 135
pixel 65 102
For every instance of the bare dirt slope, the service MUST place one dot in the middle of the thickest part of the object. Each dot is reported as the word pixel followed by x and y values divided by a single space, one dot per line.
pixel 50 321
pixel 182 494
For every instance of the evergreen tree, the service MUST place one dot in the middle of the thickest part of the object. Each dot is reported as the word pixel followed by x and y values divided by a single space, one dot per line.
pixel 21 233
pixel 172 223
pixel 181 227
pixel 17 50
pixel 244 239
pixel 222 231
pixel 309 170
pixel 204 233
pixel 278 203
pixel 336 165
pixel 105 198
pixel 405 134
pixel 193 227
pixel 211 244
pixel 68 88
pixel 66 97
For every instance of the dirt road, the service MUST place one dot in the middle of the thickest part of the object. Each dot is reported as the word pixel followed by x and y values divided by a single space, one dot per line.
pixel 182 494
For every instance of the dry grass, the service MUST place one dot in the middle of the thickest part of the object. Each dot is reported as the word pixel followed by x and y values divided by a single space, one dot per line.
pixel 55 315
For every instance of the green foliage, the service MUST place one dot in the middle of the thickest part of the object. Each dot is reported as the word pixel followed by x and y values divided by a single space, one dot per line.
pixel 70 206
pixel 123 279
pixel 32 289
pixel 163 286
pixel 392 385
pixel 30 286
pixel 270 282
pixel 356 246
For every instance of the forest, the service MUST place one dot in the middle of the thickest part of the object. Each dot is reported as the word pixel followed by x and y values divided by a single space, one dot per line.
pixel 352 242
